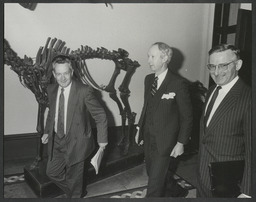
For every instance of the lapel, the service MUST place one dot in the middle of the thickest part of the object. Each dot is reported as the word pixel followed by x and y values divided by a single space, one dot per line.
pixel 148 87
pixel 227 103
pixel 207 97
pixel 53 94
pixel 168 78
pixel 73 97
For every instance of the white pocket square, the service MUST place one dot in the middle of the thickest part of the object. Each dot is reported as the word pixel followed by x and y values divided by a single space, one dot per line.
pixel 168 96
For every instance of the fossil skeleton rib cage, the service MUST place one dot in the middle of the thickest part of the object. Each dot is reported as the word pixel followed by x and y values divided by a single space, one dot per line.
pixel 36 76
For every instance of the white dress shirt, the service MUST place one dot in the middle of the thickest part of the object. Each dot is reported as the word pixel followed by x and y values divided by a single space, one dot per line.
pixel 222 93
pixel 66 96
pixel 161 78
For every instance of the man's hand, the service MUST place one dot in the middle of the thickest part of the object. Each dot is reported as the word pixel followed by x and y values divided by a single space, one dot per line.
pixel 44 138
pixel 137 137
pixel 177 150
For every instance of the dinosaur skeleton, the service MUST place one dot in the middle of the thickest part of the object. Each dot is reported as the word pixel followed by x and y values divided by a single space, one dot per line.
pixel 37 75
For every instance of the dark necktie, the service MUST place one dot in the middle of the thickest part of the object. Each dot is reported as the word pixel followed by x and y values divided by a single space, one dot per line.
pixel 60 126
pixel 154 86
pixel 210 105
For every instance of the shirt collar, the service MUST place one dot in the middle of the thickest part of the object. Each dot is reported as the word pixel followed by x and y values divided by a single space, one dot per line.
pixel 162 75
pixel 229 85
pixel 66 89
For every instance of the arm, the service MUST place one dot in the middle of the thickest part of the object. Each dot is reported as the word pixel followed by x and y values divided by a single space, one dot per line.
pixel 185 112
pixel 145 96
pixel 137 140
pixel 246 180
pixel 139 136
pixel 186 118
pixel 98 114
pixel 45 136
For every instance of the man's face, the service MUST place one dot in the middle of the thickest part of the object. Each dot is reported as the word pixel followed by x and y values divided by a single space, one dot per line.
pixel 63 74
pixel 220 76
pixel 156 59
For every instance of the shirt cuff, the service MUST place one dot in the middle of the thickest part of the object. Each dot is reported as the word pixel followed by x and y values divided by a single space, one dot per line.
pixel 102 144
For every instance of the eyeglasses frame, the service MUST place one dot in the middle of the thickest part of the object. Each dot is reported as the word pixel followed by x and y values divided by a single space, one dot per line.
pixel 224 66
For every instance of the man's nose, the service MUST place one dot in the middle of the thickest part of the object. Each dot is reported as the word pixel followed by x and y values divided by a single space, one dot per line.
pixel 216 72
pixel 62 77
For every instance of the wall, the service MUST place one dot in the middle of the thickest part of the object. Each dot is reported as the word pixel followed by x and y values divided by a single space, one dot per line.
pixel 133 27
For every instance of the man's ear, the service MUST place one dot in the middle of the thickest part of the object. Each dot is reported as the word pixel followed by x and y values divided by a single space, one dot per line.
pixel 53 73
pixel 239 64
pixel 165 58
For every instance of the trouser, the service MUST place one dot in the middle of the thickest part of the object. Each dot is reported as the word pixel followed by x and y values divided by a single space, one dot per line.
pixel 68 178
pixel 156 167
pixel 203 182
pixel 172 188
pixel 202 191
pixel 160 170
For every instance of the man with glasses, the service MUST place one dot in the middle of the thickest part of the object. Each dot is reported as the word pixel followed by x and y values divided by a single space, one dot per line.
pixel 225 127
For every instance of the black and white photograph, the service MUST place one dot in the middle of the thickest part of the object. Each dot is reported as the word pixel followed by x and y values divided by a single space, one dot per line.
pixel 128 100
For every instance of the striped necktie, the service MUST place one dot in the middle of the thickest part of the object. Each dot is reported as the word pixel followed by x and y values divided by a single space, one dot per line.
pixel 154 86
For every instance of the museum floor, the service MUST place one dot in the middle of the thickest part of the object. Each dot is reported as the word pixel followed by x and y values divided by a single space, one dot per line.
pixel 125 181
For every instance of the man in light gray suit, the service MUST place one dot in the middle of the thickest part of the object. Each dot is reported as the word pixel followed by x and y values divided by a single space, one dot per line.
pixel 225 127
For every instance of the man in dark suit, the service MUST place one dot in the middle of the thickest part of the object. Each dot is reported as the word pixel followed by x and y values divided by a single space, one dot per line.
pixel 68 128
pixel 166 119
pixel 225 128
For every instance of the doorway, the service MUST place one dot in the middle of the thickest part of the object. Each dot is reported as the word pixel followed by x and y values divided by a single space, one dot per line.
pixel 233 25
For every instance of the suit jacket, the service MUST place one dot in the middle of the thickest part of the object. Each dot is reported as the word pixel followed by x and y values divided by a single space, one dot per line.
pixel 173 119
pixel 228 135
pixel 79 138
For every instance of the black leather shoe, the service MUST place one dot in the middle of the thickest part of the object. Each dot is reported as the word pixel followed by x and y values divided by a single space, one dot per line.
pixel 62 196
pixel 182 193
pixel 84 194
pixel 177 191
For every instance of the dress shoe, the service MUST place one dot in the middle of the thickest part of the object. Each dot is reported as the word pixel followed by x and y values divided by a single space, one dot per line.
pixel 182 193
pixel 177 191
pixel 62 196
pixel 84 194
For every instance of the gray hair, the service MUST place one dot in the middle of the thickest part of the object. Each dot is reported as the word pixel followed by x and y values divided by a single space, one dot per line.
pixel 165 49
pixel 224 47
pixel 61 59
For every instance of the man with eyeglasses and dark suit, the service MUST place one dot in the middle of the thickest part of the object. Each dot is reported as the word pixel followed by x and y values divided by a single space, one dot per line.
pixel 225 127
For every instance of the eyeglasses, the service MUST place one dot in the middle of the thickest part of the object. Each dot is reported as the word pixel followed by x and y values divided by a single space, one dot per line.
pixel 221 67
